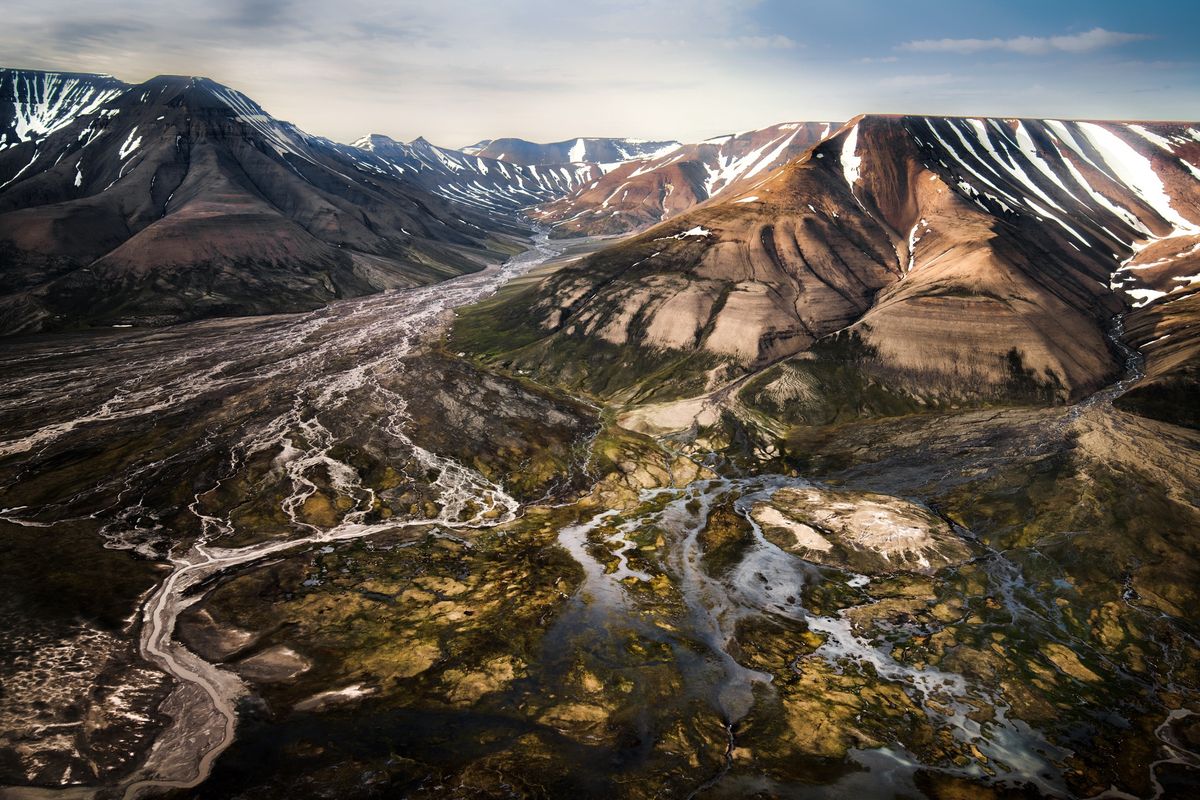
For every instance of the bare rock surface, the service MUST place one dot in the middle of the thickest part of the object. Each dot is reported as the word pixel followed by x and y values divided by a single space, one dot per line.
pixel 863 531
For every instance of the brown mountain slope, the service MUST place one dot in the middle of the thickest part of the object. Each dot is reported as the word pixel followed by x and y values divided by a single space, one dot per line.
pixel 640 193
pixel 181 198
pixel 1167 333
pixel 903 261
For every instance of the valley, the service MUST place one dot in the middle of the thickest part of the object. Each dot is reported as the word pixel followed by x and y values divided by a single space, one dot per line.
pixel 866 466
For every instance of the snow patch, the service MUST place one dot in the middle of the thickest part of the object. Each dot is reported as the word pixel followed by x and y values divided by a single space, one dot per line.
pixel 1153 138
pixel 130 145
pixel 851 163
pixel 43 103
pixel 1143 296
pixel 1134 170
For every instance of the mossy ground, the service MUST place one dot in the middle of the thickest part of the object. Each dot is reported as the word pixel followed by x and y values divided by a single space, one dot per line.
pixel 504 340
pixel 1074 609
pixel 1079 607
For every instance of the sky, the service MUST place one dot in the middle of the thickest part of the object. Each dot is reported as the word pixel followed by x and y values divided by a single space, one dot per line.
pixel 457 71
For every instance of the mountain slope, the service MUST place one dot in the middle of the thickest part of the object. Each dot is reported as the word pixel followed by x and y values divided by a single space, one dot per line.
pixel 643 192
pixel 35 104
pixel 1167 334
pixel 571 151
pixel 486 184
pixel 181 198
pixel 903 261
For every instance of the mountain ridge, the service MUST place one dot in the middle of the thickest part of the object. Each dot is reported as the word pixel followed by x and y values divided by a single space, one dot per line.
pixel 487 184
pixel 656 188
pixel 595 150
pixel 184 198
pixel 934 260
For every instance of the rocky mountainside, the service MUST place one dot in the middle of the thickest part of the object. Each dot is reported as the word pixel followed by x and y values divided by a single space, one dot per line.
pixel 643 192
pixel 571 151
pixel 1167 335
pixel 180 198
pixel 483 183
pixel 902 262
pixel 35 104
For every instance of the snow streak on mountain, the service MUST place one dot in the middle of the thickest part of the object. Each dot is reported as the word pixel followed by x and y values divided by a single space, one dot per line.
pixel 487 184
pixel 659 186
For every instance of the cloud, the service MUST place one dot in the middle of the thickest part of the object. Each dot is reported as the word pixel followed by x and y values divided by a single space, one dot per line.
pixel 258 14
pixel 89 31
pixel 1095 39
pixel 463 70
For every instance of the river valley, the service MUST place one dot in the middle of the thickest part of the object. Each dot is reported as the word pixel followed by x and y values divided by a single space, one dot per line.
pixel 342 559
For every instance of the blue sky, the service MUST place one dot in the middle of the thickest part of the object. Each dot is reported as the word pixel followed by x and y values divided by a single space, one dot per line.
pixel 457 71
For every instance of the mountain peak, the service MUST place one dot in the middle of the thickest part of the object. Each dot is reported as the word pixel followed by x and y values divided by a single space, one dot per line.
pixel 374 141
pixel 196 92
pixel 667 181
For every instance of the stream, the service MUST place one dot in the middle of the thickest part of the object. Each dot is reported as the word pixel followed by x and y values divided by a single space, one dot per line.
pixel 769 581
pixel 299 381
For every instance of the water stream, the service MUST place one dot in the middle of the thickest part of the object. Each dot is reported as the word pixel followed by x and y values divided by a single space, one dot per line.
pixel 301 379
pixel 769 581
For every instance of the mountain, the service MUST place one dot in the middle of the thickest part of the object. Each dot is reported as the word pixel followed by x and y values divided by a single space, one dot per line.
pixel 181 198
pixel 35 104
pixel 571 151
pixel 650 190
pixel 903 262
pixel 487 184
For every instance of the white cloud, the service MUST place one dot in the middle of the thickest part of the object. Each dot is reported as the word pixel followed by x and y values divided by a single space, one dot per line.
pixel 1095 39
pixel 458 71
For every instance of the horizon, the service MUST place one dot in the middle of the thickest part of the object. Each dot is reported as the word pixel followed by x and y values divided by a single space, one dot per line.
pixel 655 70
pixel 633 138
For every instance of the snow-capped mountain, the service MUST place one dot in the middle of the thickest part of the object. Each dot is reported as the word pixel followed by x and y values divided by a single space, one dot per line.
pixel 180 197
pixel 35 104
pixel 927 257
pixel 487 184
pixel 571 151
pixel 656 187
